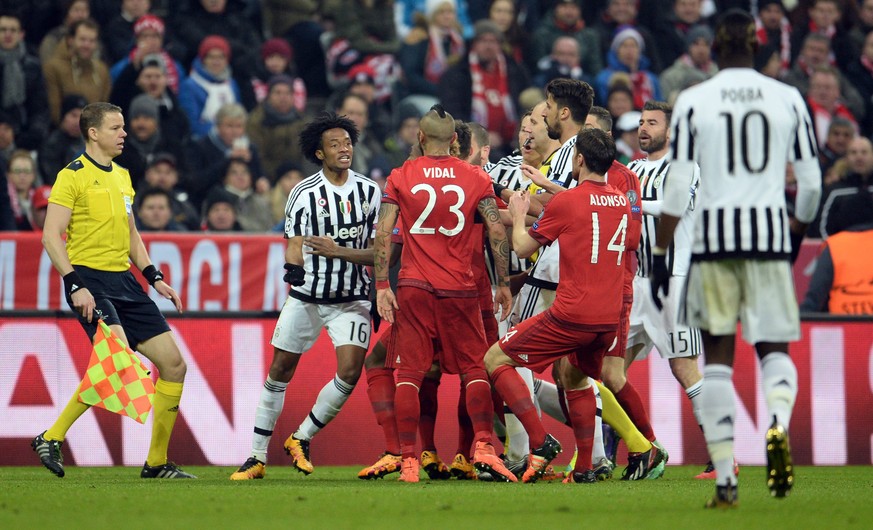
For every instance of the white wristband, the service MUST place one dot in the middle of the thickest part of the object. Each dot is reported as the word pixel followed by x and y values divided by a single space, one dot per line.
pixel 658 251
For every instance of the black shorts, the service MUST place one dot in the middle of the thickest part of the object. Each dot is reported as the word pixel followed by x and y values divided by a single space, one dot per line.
pixel 122 301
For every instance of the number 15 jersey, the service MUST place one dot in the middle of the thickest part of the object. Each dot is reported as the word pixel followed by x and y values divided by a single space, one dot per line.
pixel 438 197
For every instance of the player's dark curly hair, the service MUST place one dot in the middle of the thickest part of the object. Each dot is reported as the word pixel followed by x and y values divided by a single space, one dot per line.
pixel 464 137
pixel 735 35
pixel 310 136
pixel 578 96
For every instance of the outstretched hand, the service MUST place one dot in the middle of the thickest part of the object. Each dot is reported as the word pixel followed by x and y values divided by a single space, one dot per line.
pixel 386 303
pixel 659 277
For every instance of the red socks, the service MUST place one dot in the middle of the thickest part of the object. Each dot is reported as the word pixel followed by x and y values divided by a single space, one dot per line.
pixel 516 395
pixel 427 397
pixel 380 390
pixel 583 408
pixel 631 402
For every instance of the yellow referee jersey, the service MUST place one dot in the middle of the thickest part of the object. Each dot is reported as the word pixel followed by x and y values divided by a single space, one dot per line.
pixel 101 199
pixel 533 189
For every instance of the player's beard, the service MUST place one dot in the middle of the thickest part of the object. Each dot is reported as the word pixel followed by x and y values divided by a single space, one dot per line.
pixel 554 130
pixel 655 143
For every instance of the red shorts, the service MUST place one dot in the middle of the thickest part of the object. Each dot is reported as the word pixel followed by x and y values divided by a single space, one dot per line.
pixel 423 318
pixel 623 327
pixel 492 334
pixel 539 341
pixel 387 340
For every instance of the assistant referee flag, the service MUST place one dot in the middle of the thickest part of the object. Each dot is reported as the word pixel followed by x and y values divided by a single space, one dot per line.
pixel 115 379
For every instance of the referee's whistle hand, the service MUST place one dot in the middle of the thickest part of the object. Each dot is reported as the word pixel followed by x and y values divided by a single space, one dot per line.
pixel 84 303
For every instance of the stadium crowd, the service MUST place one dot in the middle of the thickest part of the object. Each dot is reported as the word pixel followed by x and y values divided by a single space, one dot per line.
pixel 215 92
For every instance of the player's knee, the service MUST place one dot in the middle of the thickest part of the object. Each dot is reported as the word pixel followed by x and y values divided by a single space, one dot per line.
pixel 613 379
pixel 284 365
pixel 685 371
pixel 376 359
pixel 349 374
pixel 173 369
pixel 493 357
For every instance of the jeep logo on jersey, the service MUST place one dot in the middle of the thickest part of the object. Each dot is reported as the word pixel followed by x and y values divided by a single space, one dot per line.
pixel 342 233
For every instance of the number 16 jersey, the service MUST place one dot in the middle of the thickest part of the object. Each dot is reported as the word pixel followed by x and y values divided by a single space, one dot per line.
pixel 438 197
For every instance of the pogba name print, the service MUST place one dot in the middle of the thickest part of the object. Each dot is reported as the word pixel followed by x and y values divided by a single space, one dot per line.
pixel 743 95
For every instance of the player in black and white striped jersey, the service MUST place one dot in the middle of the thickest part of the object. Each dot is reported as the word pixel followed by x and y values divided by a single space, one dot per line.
pixel 743 129
pixel 649 325
pixel 330 220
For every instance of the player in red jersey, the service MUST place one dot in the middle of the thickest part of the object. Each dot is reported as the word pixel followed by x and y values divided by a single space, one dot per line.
pixel 592 219
pixel 438 196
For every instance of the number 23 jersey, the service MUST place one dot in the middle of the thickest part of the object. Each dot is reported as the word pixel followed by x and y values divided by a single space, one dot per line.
pixel 438 197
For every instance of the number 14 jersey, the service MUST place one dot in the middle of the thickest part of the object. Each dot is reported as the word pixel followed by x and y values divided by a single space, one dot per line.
pixel 438 197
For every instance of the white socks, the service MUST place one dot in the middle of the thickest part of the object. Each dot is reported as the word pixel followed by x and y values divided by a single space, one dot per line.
pixel 268 411
pixel 718 411
pixel 693 393
pixel 779 381
pixel 328 404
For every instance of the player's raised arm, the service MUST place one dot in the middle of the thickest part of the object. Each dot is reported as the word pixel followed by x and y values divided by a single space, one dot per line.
pixel 522 243
pixel 500 248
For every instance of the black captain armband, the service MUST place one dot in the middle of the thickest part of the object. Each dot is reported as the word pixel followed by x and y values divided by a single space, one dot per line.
pixel 152 275
pixel 73 283
pixel 294 275
pixel 498 189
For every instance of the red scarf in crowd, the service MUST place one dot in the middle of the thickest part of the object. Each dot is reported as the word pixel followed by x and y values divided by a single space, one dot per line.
pixel 437 61
pixel 642 88
pixel 822 117
pixel 492 101
pixel 828 32
pixel 784 42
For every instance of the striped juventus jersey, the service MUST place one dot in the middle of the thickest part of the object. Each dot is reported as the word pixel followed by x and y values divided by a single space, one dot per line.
pixel 653 177
pixel 561 167
pixel 347 214
pixel 507 172
pixel 742 128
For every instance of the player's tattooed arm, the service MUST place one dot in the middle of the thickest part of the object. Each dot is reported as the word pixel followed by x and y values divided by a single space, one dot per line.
pixel 388 213
pixel 497 235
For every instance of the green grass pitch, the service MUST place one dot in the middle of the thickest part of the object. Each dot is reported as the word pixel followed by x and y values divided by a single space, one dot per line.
pixel 332 497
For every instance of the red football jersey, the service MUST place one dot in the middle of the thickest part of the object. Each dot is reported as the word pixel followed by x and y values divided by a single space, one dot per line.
pixel 438 197
pixel 592 223
pixel 627 182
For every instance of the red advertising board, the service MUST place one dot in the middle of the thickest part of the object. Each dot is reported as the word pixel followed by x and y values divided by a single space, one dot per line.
pixel 211 272
pixel 44 358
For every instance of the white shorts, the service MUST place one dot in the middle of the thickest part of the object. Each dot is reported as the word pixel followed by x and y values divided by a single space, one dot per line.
pixel 661 328
pixel 529 302
pixel 300 323
pixel 758 293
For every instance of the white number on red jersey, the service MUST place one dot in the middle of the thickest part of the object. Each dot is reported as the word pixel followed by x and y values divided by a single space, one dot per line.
pixel 417 227
pixel 616 244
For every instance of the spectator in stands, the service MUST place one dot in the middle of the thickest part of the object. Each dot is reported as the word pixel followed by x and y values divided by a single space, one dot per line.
pixel 7 137
pixel 144 138
pixel 694 66
pixel 566 21
pixel 840 134
pixel 276 59
pixel 21 174
pixel 627 57
pixel 163 173
pixel 77 71
pixel 406 10
pixel 405 135
pixel 484 87
pixel 619 101
pixel 288 175
pixel 564 61
pixel 859 179
pixel 204 18
pixel 252 209
pixel 824 101
pixel 860 74
pixel 275 125
pixel 64 143
pixel 210 85
pixel 219 212
pixel 362 82
pixel 627 143
pixel 673 35
pixel 153 212
pixel 814 53
pixel 149 32
pixel 618 15
pixel 295 21
pixel 843 279
pixel 774 30
pixel 369 153
pixel 364 34
pixel 825 18
pixel 516 43
pixel 227 139
pixel 118 33
pixel 55 41
pixel 39 205
pixel 863 24
pixel 22 86
pixel 432 45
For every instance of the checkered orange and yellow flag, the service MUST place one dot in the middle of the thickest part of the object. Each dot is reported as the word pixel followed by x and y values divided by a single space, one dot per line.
pixel 116 380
